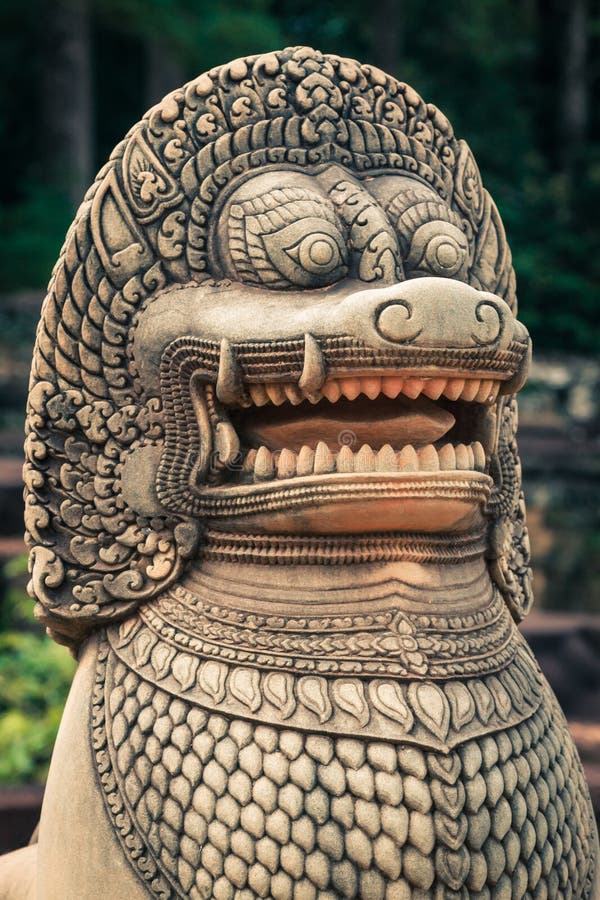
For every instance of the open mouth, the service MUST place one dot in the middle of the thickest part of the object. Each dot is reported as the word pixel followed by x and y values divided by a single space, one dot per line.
pixel 317 447
pixel 363 441
pixel 361 424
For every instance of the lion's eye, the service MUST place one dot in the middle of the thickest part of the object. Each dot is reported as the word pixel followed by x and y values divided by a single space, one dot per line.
pixel 308 253
pixel 438 248
pixel 289 238
pixel 444 254
pixel 432 236
pixel 316 253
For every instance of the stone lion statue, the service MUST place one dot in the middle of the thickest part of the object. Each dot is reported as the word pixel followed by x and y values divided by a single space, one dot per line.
pixel 273 503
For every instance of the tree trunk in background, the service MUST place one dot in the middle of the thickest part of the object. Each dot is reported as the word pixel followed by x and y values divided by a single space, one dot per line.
pixel 387 34
pixel 163 72
pixel 67 97
pixel 574 100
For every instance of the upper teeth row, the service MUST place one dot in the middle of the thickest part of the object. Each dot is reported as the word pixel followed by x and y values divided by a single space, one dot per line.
pixel 477 390
pixel 263 464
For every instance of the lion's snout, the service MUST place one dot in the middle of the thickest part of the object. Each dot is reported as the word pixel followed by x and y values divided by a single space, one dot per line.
pixel 430 312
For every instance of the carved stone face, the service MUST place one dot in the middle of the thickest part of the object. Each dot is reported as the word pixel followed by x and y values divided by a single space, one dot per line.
pixel 358 372
pixel 286 305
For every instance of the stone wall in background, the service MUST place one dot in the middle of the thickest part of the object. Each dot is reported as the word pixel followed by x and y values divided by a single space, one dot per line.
pixel 559 440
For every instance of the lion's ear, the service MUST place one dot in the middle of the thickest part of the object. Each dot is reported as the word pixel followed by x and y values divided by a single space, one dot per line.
pixel 491 267
pixel 93 556
pixel 508 549
pixel 119 240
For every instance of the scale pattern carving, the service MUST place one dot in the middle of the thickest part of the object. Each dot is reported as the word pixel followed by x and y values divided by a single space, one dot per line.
pixel 246 810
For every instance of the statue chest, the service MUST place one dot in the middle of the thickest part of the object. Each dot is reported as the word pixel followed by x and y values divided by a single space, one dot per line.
pixel 428 679
pixel 230 776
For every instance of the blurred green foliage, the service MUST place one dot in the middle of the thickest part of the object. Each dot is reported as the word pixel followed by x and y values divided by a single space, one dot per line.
pixel 193 30
pixel 495 67
pixel 571 567
pixel 35 675
pixel 31 233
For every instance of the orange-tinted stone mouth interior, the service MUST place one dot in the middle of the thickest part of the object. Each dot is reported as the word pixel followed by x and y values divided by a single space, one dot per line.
pixel 345 423
pixel 342 430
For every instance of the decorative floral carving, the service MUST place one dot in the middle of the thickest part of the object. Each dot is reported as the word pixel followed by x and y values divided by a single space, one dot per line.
pixel 277 687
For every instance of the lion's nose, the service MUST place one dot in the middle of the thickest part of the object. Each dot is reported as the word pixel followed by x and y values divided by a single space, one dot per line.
pixel 433 312
pixel 395 323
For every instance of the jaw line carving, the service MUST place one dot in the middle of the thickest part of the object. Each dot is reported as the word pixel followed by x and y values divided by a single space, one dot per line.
pixel 251 424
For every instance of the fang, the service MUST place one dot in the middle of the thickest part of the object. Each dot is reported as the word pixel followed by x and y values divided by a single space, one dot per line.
pixel 230 389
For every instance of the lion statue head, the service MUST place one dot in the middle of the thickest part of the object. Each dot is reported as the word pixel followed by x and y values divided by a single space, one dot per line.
pixel 286 305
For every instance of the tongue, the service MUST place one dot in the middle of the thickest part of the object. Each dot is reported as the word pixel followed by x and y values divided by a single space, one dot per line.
pixel 376 422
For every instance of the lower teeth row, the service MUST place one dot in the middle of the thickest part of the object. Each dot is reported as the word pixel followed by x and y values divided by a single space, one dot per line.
pixel 262 464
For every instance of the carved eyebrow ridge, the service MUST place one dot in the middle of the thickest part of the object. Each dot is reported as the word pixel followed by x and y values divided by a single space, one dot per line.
pixel 253 219
pixel 372 236
pixel 408 209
